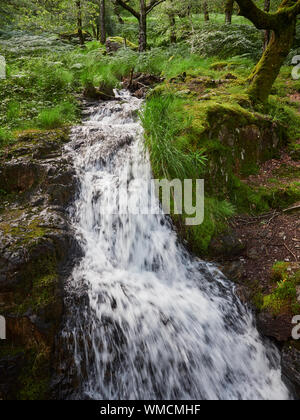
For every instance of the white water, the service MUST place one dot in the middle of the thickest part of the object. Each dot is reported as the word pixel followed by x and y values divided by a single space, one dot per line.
pixel 146 319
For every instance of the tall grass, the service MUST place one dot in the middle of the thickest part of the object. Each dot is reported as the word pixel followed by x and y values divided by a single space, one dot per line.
pixel 57 116
pixel 163 121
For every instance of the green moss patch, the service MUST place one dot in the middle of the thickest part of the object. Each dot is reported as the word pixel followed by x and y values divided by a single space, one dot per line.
pixel 283 298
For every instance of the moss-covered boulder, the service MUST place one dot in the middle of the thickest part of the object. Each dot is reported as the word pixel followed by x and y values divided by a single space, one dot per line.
pixel 115 43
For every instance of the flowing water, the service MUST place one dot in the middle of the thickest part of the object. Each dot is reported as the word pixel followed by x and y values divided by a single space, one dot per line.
pixel 146 320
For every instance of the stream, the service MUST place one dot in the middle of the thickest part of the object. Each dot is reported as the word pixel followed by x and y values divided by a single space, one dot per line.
pixel 145 319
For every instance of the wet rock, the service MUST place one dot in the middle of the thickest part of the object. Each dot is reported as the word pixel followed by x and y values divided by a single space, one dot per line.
pixel 234 270
pixel 35 248
pixel 244 294
pixel 227 245
pixel 19 176
pixel 10 369
pixel 103 92
pixel 290 361
pixel 112 46
pixel 279 327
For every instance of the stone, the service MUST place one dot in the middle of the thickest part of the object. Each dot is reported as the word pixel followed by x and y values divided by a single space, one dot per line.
pixel 226 245
pixel 234 270
pixel 10 369
pixel 230 76
pixel 36 245
pixel 279 327
pixel 290 361
pixel 298 293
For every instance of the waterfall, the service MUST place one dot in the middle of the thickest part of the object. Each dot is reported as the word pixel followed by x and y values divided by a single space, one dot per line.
pixel 146 320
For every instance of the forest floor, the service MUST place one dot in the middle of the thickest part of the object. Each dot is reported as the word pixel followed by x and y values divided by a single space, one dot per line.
pixel 270 239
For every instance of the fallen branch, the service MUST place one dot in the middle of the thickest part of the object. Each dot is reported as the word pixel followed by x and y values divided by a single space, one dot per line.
pixel 292 208
pixel 291 252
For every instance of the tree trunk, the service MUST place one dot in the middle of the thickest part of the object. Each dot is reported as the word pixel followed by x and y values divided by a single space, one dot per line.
pixel 102 22
pixel 206 13
pixel 143 26
pixel 79 22
pixel 172 20
pixel 266 71
pixel 229 11
pixel 267 34
pixel 117 13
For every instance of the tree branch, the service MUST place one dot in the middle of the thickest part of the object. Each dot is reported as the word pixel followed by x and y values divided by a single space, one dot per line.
pixel 128 8
pixel 295 10
pixel 153 4
pixel 261 19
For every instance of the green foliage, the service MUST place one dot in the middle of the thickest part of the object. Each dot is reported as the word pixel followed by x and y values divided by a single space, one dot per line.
pixel 227 41
pixel 6 137
pixel 58 116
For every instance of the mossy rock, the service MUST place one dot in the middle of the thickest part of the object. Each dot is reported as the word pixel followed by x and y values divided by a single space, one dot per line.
pixel 117 42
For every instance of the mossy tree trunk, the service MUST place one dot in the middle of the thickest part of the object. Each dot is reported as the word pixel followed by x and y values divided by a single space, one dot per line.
pixel 267 33
pixel 282 25
pixel 117 13
pixel 229 11
pixel 79 22
pixel 268 68
pixel 205 10
pixel 172 21
pixel 102 22
pixel 143 26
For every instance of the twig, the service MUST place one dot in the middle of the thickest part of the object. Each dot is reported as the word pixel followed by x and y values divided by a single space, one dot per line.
pixel 291 208
pixel 296 259
pixel 275 214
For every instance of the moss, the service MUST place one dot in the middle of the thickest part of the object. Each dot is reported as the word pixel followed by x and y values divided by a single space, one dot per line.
pixel 220 65
pixel 27 141
pixel 283 298
pixel 216 122
pixel 38 289
pixel 294 149
pixel 282 196
pixel 41 296
pixel 121 41
pixel 199 237
pixel 34 380
pixel 258 300
pixel 22 232
pixel 9 350
pixel 279 271
pixel 268 68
